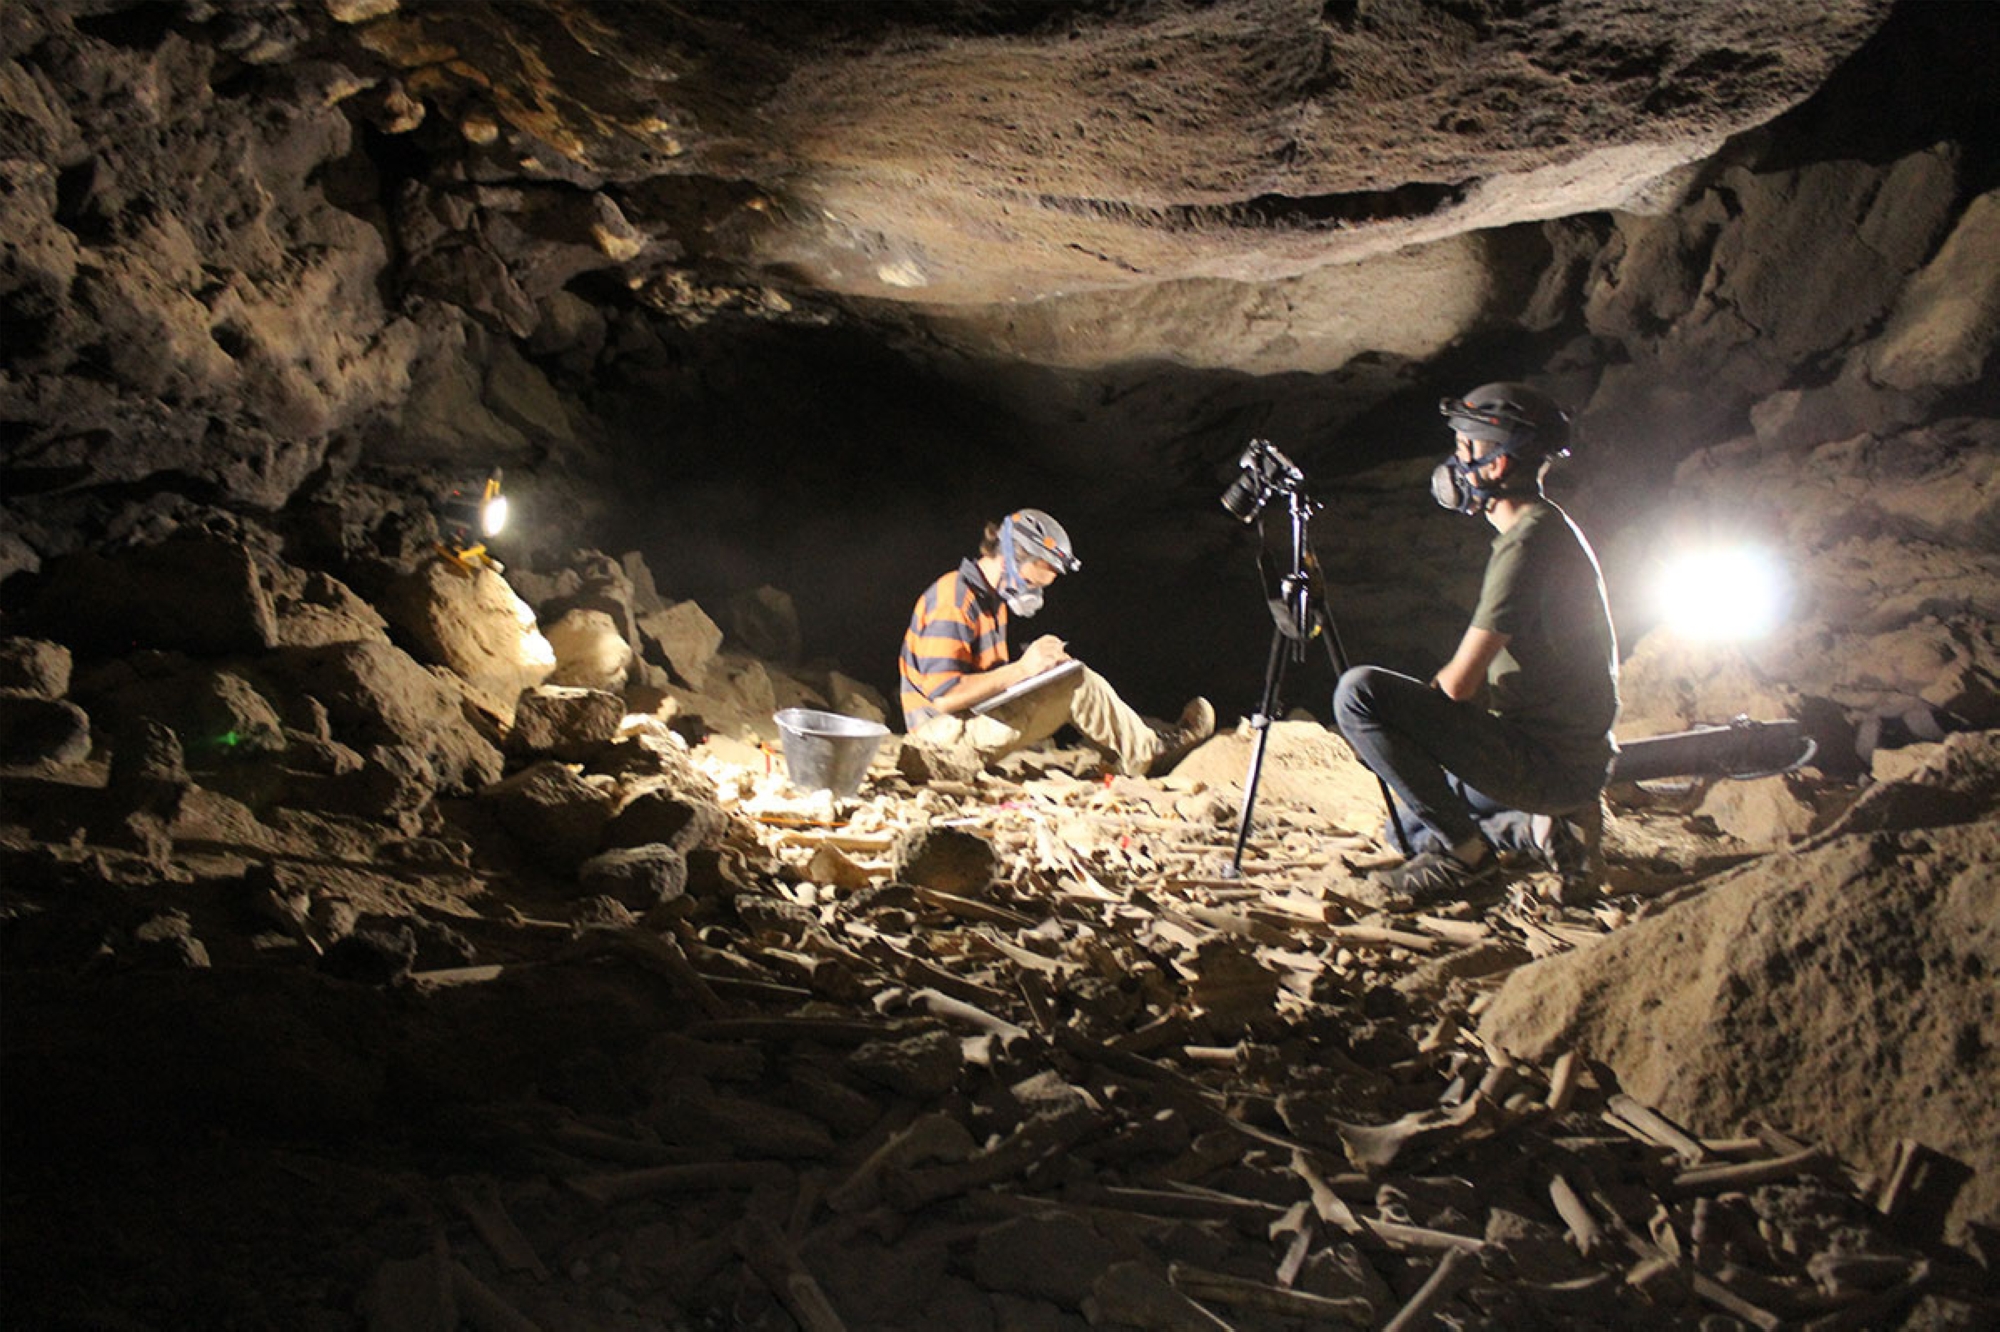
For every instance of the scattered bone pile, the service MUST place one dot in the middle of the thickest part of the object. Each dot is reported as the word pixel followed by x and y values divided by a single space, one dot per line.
pixel 1013 1053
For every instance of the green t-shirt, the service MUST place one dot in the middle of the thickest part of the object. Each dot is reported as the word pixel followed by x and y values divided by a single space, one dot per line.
pixel 1558 675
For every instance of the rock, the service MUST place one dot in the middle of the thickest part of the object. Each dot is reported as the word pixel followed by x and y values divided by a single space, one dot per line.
pixel 554 814
pixel 1052 1256
pixel 852 698
pixel 1136 1294
pixel 167 940
pixel 1947 318
pixel 1766 813
pixel 373 956
pixel 35 667
pixel 42 730
pixel 315 608
pixel 219 715
pixel 766 623
pixel 472 624
pixel 920 762
pixel 197 594
pixel 788 691
pixel 393 786
pixel 666 813
pixel 639 877
pixel 596 581
pixel 564 721
pixel 1785 991
pixel 686 637
pixel 360 11
pixel 923 1066
pixel 740 690
pixel 1895 765
pixel 148 771
pixel 948 859
pixel 590 653
pixel 1958 783
pixel 375 693
pixel 646 597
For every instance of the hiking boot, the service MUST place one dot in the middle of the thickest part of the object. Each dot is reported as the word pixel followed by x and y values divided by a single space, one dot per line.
pixel 1568 846
pixel 1196 724
pixel 1433 876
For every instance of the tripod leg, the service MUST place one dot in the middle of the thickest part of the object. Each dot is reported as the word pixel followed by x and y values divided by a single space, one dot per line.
pixel 1274 676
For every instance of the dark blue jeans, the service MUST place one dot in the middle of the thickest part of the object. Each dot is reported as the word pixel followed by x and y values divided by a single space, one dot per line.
pixel 1450 764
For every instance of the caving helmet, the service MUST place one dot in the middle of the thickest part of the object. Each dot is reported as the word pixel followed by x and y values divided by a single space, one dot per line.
pixel 1030 534
pixel 1527 424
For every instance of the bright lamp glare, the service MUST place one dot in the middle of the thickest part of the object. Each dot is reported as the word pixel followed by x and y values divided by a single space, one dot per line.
pixel 1722 595
pixel 493 515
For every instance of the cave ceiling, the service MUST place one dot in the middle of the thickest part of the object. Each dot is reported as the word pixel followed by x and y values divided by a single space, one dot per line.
pixel 1010 173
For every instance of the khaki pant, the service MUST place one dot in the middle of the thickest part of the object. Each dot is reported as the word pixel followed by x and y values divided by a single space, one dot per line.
pixel 1085 700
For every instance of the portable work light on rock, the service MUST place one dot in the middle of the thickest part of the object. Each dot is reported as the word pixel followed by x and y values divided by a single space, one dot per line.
pixel 472 515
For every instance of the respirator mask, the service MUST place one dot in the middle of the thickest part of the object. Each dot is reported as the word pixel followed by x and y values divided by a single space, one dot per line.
pixel 1023 598
pixel 1455 483
pixel 1046 541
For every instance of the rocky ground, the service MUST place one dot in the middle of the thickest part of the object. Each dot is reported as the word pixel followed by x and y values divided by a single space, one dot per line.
pixel 392 943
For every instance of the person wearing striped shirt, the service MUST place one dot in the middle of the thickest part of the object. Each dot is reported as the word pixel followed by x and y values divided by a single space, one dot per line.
pixel 956 656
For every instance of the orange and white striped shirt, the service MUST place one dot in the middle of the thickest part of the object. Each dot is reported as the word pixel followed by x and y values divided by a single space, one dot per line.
pixel 959 628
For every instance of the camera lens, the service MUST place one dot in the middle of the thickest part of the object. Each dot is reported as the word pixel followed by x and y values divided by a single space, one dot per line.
pixel 1245 497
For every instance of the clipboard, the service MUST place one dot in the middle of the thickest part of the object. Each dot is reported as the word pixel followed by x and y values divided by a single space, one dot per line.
pixel 1028 686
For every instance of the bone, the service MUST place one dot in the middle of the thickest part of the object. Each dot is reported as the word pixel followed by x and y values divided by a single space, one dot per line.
pixel 623 1186
pixel 1451 1275
pixel 770 1255
pixel 1242 1293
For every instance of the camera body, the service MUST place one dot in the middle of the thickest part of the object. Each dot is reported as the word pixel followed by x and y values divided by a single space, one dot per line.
pixel 1266 472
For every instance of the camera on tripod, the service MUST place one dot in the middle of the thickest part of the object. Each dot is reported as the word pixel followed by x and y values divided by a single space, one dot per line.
pixel 1266 472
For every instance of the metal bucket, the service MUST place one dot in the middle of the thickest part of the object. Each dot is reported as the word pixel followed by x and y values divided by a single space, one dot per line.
pixel 828 750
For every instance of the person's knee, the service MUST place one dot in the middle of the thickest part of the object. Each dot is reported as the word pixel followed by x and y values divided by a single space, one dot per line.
pixel 1354 695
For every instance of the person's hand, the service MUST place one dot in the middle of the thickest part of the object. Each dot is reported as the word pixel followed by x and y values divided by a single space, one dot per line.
pixel 1044 652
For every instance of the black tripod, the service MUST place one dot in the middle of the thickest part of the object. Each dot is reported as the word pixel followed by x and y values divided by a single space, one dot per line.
pixel 1301 615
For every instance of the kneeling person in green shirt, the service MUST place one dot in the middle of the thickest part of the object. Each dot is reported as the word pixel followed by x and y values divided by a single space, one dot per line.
pixel 1540 644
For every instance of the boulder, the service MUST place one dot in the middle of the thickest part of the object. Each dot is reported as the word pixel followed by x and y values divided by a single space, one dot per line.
pixel 315 608
pixel 375 693
pixel 740 694
pixel 556 815
pixel 923 1066
pixel 638 877
pixel 664 812
pixel 35 667
pixel 1843 990
pixel 850 697
pixel 1946 321
pixel 564 721
pixel 1766 814
pixel 42 730
pixel 686 637
pixel 950 860
pixel 597 582
pixel 471 623
pixel 590 653
pixel 219 714
pixel 765 622
pixel 198 594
